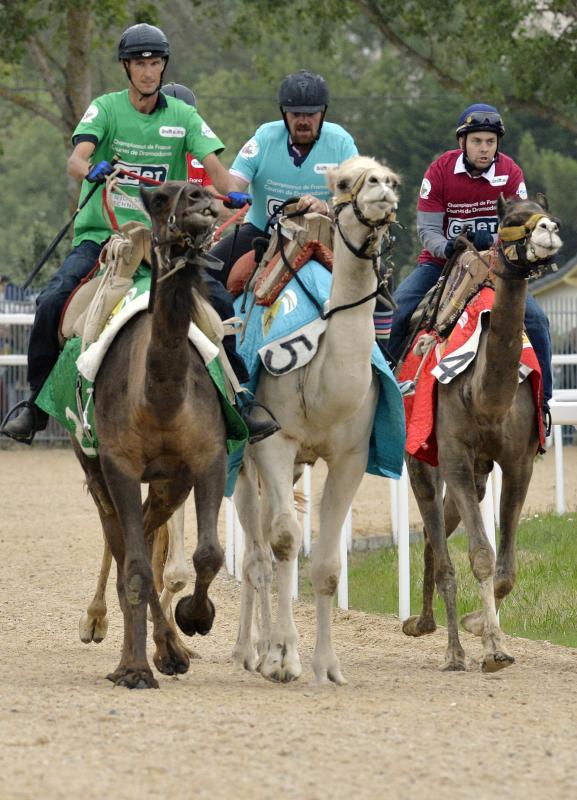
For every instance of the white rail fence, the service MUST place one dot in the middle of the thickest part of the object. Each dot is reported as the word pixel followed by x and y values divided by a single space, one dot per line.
pixel 563 412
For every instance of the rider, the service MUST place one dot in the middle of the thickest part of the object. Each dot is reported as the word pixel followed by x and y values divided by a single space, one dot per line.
pixel 149 134
pixel 460 190
pixel 284 159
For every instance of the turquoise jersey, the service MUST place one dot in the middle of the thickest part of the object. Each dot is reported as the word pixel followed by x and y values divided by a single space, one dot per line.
pixel 265 163
pixel 153 145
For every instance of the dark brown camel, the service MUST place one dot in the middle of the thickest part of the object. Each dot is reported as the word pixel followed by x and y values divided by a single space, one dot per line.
pixel 158 418
pixel 484 416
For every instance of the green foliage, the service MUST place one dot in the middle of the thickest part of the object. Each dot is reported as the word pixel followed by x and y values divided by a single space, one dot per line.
pixel 541 606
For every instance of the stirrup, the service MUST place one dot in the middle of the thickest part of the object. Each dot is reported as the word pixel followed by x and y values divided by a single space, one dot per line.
pixel 547 420
pixel 22 439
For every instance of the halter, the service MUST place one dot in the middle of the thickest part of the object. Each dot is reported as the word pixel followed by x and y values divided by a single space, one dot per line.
pixel 169 266
pixel 514 257
pixel 350 198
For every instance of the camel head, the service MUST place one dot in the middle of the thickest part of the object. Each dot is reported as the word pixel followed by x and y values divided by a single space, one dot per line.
pixel 370 188
pixel 181 213
pixel 528 233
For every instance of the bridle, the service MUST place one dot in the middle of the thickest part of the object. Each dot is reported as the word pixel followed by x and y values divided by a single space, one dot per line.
pixel 190 250
pixel 512 249
pixel 368 249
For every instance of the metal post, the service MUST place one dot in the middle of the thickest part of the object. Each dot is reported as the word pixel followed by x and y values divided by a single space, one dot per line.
pixel 403 546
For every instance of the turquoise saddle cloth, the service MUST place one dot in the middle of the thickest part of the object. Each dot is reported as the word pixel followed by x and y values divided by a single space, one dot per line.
pixel 289 314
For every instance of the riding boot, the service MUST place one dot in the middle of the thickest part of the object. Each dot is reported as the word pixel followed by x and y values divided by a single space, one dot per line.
pixel 249 409
pixel 25 426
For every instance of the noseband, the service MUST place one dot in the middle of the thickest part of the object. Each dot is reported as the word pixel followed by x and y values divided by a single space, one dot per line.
pixel 367 249
pixel 513 256
pixel 167 265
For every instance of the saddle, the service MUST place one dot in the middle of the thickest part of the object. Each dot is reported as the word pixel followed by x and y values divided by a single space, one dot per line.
pixel 444 303
pixel 90 305
pixel 296 239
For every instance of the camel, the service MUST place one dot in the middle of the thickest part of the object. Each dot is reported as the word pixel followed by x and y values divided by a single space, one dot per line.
pixel 484 416
pixel 325 410
pixel 159 421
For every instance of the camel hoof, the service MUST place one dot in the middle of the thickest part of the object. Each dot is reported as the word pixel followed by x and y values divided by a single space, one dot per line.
pixel 92 629
pixel 496 661
pixel 454 665
pixel 188 618
pixel 474 622
pixel 417 626
pixel 171 658
pixel 133 678
pixel 245 659
pixel 280 665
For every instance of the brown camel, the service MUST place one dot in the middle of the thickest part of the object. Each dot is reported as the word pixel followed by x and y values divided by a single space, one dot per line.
pixel 484 415
pixel 159 421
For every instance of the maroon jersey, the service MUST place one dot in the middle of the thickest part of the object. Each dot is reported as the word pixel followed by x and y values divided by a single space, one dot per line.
pixel 450 199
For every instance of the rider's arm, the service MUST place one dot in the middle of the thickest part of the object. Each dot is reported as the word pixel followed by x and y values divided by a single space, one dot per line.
pixel 221 177
pixel 79 161
pixel 430 231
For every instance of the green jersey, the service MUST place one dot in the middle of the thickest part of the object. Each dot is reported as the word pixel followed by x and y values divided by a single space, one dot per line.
pixel 152 145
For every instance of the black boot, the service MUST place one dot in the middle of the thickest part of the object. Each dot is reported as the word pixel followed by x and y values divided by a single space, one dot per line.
pixel 258 429
pixel 24 427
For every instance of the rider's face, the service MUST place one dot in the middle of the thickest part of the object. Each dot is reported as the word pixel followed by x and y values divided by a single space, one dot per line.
pixel 145 73
pixel 481 147
pixel 303 128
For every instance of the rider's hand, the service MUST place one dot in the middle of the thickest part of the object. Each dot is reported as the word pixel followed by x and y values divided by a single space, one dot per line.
pixel 308 203
pixel 449 248
pixel 483 240
pixel 99 172
pixel 237 200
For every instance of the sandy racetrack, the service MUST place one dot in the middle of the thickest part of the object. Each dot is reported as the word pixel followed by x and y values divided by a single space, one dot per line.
pixel 400 729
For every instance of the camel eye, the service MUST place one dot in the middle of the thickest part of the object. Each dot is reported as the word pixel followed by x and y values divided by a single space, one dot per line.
pixel 373 179
pixel 342 185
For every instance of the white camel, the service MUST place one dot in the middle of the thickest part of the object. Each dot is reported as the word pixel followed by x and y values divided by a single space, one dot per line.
pixel 326 410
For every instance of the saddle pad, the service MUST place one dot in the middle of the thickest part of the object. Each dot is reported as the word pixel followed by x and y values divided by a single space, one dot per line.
pixel 67 394
pixel 294 318
pixel 443 363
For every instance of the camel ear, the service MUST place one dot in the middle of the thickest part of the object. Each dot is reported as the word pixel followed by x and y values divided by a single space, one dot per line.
pixel 332 179
pixel 153 200
pixel 501 205
pixel 146 197
pixel 542 200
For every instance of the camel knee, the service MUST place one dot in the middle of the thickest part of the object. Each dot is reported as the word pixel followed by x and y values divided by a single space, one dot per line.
pixel 482 563
pixel 504 584
pixel 325 577
pixel 285 537
pixel 208 560
pixel 138 582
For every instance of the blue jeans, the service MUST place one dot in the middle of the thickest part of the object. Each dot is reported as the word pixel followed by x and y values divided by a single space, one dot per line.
pixel 43 347
pixel 412 290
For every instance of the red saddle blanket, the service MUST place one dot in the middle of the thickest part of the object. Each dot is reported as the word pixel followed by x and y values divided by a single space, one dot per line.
pixel 446 360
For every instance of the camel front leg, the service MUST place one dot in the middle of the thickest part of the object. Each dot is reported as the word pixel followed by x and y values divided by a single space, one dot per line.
pixel 93 624
pixel 459 476
pixel 275 463
pixel 195 613
pixel 427 487
pixel 254 516
pixel 343 478
pixel 135 583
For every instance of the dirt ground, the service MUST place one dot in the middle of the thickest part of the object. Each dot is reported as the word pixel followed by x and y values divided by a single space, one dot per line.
pixel 399 729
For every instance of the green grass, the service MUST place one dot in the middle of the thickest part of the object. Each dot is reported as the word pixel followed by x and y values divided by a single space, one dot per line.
pixel 542 605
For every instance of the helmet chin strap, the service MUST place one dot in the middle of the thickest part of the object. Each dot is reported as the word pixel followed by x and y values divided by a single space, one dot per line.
pixel 142 95
pixel 471 167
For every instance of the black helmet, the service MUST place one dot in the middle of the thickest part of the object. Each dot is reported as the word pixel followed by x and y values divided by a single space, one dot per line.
pixel 480 117
pixel 180 92
pixel 143 41
pixel 303 92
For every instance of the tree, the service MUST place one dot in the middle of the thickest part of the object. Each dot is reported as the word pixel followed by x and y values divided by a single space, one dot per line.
pixel 520 53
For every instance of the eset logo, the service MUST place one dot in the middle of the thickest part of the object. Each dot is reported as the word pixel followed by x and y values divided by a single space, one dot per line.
pixel 158 172
pixel 457 226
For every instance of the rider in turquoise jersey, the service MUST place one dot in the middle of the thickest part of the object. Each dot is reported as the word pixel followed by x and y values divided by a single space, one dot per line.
pixel 287 158
pixel 150 134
